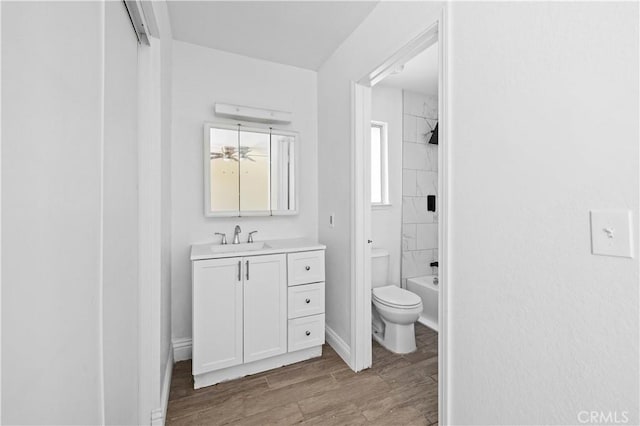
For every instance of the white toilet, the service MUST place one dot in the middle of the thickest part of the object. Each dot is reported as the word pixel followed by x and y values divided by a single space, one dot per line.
pixel 394 311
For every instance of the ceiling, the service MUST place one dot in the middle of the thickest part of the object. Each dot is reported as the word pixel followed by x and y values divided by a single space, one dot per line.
pixel 299 33
pixel 420 74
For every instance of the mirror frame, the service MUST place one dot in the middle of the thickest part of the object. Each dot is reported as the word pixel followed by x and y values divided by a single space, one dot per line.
pixel 207 164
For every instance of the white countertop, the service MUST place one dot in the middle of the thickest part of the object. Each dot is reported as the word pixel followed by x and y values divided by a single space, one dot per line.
pixel 203 251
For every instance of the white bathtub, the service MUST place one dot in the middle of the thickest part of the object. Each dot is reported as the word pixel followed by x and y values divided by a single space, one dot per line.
pixel 426 288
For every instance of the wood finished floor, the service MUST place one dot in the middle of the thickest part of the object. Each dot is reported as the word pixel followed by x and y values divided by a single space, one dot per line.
pixel 397 390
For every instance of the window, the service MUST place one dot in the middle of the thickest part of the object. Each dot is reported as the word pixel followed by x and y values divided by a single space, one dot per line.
pixel 379 164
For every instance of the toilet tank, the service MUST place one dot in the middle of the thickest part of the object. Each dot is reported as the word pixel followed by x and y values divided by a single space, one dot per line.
pixel 379 267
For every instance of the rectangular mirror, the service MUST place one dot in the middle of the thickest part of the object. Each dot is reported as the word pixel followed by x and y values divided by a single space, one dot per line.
pixel 223 171
pixel 249 171
pixel 254 171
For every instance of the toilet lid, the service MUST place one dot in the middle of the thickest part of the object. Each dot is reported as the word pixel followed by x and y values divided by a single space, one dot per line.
pixel 396 297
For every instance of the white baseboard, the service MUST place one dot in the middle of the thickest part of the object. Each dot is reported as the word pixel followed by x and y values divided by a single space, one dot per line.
pixel 159 415
pixel 338 345
pixel 182 349
pixel 237 371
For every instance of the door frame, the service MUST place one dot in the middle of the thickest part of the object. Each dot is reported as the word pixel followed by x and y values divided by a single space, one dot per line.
pixel 361 211
pixel 361 228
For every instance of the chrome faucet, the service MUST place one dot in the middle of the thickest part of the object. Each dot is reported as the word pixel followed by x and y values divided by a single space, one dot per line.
pixel 236 235
pixel 250 240
pixel 224 238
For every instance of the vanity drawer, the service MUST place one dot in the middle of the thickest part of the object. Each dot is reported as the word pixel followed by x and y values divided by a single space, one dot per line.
pixel 305 300
pixel 306 332
pixel 306 267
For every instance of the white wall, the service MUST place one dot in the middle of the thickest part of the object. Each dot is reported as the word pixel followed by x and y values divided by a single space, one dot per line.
pixel 386 106
pixel 202 77
pixel 73 351
pixel 120 224
pixel 51 190
pixel 544 127
pixel 154 136
pixel 165 38
pixel 366 48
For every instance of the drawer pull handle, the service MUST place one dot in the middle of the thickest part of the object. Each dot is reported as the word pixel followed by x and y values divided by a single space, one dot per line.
pixel 307 300
pixel 307 332
pixel 307 267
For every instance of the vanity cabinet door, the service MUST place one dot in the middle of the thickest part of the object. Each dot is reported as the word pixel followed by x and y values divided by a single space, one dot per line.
pixel 217 314
pixel 265 306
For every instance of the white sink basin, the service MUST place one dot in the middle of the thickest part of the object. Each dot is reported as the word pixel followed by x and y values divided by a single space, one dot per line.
pixel 234 248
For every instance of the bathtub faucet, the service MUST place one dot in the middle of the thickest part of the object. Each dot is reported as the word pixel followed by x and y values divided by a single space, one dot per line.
pixel 434 265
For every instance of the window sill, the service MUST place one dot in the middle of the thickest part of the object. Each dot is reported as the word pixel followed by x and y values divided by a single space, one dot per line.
pixel 381 206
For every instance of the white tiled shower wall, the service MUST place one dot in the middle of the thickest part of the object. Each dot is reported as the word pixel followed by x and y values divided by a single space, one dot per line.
pixel 419 179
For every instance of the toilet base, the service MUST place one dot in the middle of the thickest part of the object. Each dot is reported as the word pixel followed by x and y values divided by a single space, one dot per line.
pixel 397 338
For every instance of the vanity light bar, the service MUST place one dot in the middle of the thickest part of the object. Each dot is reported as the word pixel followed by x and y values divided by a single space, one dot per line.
pixel 252 114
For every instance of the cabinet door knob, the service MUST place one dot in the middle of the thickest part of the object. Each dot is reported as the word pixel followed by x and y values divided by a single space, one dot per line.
pixel 307 267
pixel 307 300
pixel 307 332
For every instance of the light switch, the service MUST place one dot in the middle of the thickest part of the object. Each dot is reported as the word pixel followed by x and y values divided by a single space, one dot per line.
pixel 611 233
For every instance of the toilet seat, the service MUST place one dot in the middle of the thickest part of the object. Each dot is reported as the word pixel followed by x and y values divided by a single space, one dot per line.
pixel 396 297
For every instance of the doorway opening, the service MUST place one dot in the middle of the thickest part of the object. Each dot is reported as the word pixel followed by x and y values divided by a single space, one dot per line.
pixel 400 226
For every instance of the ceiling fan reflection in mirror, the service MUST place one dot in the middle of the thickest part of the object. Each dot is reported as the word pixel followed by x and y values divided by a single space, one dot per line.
pixel 229 153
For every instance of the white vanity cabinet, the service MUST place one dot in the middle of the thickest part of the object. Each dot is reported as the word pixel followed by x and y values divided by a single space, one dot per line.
pixel 255 310
pixel 306 299
pixel 217 314
pixel 239 310
pixel 265 306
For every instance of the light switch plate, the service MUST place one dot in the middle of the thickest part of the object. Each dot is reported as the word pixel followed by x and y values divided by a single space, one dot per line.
pixel 611 233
